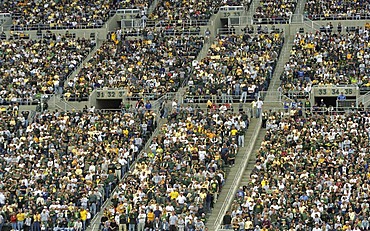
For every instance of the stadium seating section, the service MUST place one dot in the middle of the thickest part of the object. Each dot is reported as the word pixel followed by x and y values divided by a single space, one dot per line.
pixel 237 67
pixel 274 12
pixel 153 66
pixel 73 160
pixel 59 169
pixel 305 175
pixel 325 58
pixel 337 10
pixel 31 68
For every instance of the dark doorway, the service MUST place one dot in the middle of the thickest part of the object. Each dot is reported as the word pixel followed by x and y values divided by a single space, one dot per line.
pixel 108 104
pixel 328 101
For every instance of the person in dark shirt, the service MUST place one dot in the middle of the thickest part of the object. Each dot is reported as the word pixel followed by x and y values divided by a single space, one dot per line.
pixel 113 226
pixel 132 220
pixel 157 212
pixel 103 219
pixel 123 221
pixel 227 220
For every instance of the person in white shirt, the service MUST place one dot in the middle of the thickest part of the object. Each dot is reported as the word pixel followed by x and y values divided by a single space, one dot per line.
pixel 2 199
pixel 253 105
pixel 141 223
pixel 317 227
pixel 259 104
pixel 181 199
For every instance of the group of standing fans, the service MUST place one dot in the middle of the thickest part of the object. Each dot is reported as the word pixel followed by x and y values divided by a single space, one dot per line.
pixel 152 66
pixel 176 183
pixel 325 58
pixel 58 169
pixel 310 174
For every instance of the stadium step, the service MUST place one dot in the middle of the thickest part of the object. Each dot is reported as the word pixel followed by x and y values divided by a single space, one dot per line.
pixel 214 215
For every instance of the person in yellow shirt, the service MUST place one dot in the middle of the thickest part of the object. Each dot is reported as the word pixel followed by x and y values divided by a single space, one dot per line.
pixel 150 216
pixel 233 131
pixel 21 216
pixel 83 216
pixel 174 194
pixel 36 222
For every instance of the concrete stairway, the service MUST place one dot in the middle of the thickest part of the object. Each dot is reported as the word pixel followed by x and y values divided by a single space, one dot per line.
pixel 252 9
pixel 300 7
pixel 56 102
pixel 244 180
pixel 88 57
pixel 224 196
pixel 252 158
pixel 273 94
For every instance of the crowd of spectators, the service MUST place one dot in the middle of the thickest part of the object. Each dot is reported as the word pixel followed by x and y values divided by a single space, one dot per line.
pixel 57 168
pixel 143 5
pixel 63 14
pixel 274 12
pixel 237 67
pixel 337 10
pixel 310 174
pixel 32 15
pixel 191 10
pixel 176 182
pixel 29 68
pixel 153 65
pixel 324 58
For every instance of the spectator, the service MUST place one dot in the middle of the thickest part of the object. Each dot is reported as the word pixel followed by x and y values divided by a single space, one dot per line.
pixel 341 97
pixel 141 221
pixel 259 105
pixel 173 219
pixel 227 220
pixel 21 216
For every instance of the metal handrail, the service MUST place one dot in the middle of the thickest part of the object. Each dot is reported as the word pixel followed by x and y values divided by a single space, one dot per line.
pixel 127 11
pixel 184 23
pixel 231 8
pixel 365 99
pixel 219 98
pixel 357 16
pixel 321 110
pixel 276 96
pixel 277 20
pixel 52 27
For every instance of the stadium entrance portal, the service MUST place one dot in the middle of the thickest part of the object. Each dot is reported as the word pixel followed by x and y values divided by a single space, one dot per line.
pixel 108 103
pixel 327 101
pixel 350 102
